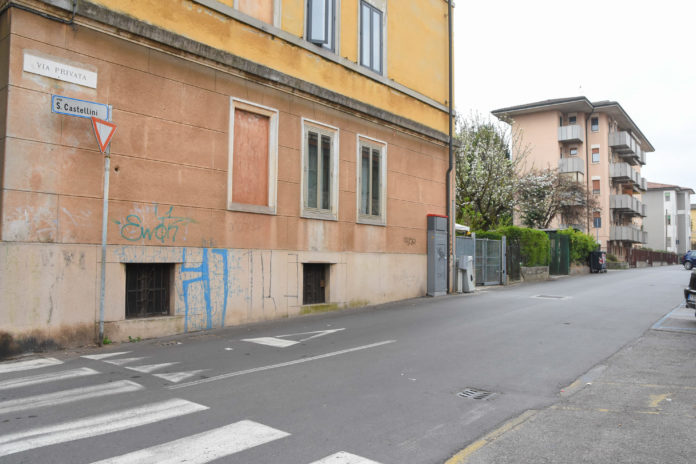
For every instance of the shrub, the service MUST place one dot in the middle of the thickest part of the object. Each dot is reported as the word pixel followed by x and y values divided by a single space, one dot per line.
pixel 581 245
pixel 534 244
pixel 612 258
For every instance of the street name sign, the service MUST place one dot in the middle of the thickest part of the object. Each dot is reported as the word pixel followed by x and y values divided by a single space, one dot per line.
pixel 79 108
pixel 56 70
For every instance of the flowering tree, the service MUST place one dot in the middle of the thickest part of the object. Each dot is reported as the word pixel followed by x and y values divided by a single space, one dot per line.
pixel 547 194
pixel 487 174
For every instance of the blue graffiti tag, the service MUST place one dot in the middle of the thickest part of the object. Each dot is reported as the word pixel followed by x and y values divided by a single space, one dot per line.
pixel 204 279
pixel 133 229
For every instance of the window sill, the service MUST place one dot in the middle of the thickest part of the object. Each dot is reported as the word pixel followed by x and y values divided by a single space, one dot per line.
pixel 318 214
pixel 258 209
pixel 372 221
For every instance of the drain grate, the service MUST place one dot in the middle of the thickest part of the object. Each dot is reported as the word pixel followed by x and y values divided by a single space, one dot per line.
pixel 475 394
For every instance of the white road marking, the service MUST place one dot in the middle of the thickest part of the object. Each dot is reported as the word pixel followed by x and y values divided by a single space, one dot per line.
pixel 176 377
pixel 45 378
pixel 151 367
pixel 275 366
pixel 69 396
pixel 122 361
pixel 96 425
pixel 280 341
pixel 27 365
pixel 98 357
pixel 203 447
pixel 271 341
pixel 344 458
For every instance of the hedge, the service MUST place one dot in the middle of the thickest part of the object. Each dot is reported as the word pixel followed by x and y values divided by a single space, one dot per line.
pixel 581 245
pixel 534 244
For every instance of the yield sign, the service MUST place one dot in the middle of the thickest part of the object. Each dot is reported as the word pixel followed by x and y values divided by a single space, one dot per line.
pixel 281 341
pixel 104 130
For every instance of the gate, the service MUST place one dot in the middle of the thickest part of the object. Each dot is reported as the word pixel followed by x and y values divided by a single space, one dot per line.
pixel 488 258
pixel 514 260
pixel 560 254
pixel 488 262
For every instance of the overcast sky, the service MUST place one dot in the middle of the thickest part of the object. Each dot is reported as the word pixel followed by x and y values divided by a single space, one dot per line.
pixel 640 54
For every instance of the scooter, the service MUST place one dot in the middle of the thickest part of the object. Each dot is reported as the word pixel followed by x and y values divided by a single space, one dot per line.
pixel 690 292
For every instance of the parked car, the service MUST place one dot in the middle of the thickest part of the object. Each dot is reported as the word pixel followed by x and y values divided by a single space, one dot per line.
pixel 689 260
pixel 690 292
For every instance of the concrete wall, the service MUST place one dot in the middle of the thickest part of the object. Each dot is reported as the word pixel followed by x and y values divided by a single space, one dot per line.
pixel 168 192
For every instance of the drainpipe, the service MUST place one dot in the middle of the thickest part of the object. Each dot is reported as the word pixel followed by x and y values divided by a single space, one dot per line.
pixel 587 168
pixel 450 208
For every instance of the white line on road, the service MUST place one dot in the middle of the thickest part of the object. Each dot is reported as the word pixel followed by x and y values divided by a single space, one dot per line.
pixel 275 366
pixel 271 341
pixel 45 378
pixel 176 377
pixel 26 365
pixel 96 425
pixel 69 396
pixel 203 447
pixel 151 367
pixel 344 458
pixel 122 361
pixel 98 357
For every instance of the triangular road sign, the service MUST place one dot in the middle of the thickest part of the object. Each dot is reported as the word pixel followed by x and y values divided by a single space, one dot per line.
pixel 103 130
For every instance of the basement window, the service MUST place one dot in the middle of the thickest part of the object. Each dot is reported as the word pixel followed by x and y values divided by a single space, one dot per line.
pixel 148 290
pixel 314 283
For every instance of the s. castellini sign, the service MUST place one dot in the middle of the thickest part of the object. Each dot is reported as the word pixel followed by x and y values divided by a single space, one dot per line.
pixel 50 68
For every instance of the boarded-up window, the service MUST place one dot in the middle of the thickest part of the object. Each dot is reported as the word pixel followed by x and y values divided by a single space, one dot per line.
pixel 259 9
pixel 250 167
pixel 253 165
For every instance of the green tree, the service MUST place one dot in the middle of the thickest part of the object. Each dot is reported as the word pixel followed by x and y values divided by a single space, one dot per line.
pixel 487 174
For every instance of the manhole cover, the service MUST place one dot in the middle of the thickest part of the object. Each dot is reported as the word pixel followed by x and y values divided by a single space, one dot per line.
pixel 475 394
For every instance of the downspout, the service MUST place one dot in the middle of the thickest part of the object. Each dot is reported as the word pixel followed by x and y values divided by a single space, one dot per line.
pixel 29 9
pixel 587 164
pixel 450 209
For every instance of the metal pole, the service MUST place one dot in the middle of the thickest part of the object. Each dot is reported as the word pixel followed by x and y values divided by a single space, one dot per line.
pixel 105 221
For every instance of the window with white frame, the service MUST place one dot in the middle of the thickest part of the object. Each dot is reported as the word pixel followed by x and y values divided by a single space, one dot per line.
pixel 253 157
pixel 595 154
pixel 371 36
pixel 320 170
pixel 372 181
pixel 321 23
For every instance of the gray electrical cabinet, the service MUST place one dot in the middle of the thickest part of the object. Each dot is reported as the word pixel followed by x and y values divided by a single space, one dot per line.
pixel 437 255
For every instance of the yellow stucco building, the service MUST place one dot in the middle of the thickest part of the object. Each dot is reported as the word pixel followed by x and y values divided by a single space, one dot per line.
pixel 270 158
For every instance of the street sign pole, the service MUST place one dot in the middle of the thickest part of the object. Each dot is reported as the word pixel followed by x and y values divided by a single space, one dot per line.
pixel 105 147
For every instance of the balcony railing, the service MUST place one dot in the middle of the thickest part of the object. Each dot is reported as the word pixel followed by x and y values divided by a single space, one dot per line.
pixel 628 234
pixel 627 204
pixel 623 172
pixel 626 147
pixel 572 133
pixel 572 164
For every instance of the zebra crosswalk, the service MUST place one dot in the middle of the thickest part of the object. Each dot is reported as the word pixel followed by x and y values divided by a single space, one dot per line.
pixel 134 364
pixel 198 448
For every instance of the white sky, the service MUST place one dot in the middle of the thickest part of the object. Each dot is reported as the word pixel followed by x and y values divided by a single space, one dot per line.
pixel 638 53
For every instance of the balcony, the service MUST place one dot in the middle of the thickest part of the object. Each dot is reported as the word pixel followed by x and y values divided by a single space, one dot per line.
pixel 624 173
pixel 570 165
pixel 628 234
pixel 626 147
pixel 627 204
pixel 571 133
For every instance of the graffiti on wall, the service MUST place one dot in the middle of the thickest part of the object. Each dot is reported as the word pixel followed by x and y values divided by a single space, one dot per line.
pixel 205 290
pixel 161 227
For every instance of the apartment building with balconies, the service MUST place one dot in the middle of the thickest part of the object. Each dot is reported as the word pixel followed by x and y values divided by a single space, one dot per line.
pixel 598 144
pixel 668 222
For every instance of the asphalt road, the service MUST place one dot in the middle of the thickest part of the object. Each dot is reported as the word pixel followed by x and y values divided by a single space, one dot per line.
pixel 387 384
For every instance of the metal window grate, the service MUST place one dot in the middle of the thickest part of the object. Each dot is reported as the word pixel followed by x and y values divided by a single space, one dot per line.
pixel 475 394
pixel 147 290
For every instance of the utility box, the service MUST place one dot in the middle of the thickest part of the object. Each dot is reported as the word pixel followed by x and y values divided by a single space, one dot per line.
pixel 437 255
pixel 465 274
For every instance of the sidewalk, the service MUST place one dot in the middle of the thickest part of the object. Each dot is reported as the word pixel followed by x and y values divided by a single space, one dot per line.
pixel 639 406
